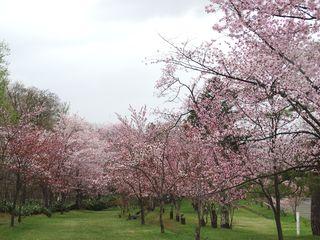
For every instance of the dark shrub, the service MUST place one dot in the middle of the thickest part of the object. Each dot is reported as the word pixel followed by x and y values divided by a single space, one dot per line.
pixel 100 203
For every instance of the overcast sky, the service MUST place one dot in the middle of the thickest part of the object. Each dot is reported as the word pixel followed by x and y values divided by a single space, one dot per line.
pixel 91 52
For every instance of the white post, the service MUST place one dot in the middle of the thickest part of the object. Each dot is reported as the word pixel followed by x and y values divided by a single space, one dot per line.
pixel 298 223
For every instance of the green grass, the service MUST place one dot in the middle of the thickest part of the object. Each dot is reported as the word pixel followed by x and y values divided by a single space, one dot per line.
pixel 88 225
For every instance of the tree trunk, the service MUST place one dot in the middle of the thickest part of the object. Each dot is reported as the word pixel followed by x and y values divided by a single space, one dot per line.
pixel 197 235
pixel 45 196
pixel 231 214
pixel 315 211
pixel 151 204
pixel 22 201
pixel 203 221
pixel 62 202
pixel 225 219
pixel 123 205
pixel 15 198
pixel 177 204
pixel 294 210
pixel 51 198
pixel 276 208
pixel 20 213
pixel 171 212
pixel 277 213
pixel 213 216
pixel 79 199
pixel 6 187
pixel 161 216
pixel 277 216
pixel 142 212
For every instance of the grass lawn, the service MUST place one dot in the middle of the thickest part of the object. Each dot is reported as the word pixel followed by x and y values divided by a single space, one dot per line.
pixel 88 225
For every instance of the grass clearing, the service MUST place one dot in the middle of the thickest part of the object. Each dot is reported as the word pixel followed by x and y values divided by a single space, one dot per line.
pixel 89 225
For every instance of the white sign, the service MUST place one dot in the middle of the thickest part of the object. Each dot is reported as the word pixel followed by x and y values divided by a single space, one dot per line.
pixel 298 223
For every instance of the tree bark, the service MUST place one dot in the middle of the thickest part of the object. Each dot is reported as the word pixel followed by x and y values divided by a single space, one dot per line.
pixel 171 212
pixel 124 205
pixel 51 198
pixel 231 214
pixel 315 211
pixel 276 208
pixel 197 235
pixel 161 216
pixel 225 219
pixel 20 213
pixel 151 204
pixel 62 202
pixel 213 216
pixel 277 213
pixel 6 186
pixel 79 199
pixel 277 217
pixel 45 196
pixel 142 213
pixel 177 205
pixel 22 201
pixel 15 198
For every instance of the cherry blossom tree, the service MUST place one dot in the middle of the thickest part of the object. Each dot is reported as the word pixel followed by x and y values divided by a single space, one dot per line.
pixel 272 52
pixel 127 145
pixel 24 145
pixel 146 159
pixel 80 165
pixel 208 165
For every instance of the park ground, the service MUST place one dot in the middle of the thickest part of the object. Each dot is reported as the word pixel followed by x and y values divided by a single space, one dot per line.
pixel 250 222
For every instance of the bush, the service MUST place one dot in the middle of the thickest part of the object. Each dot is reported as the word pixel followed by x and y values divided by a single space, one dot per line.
pixel 31 208
pixel 94 204
pixel 58 207
pixel 5 206
pixel 47 212
pixel 34 208
pixel 100 203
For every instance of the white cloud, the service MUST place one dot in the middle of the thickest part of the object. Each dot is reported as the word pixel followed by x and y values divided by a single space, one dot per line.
pixel 95 62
